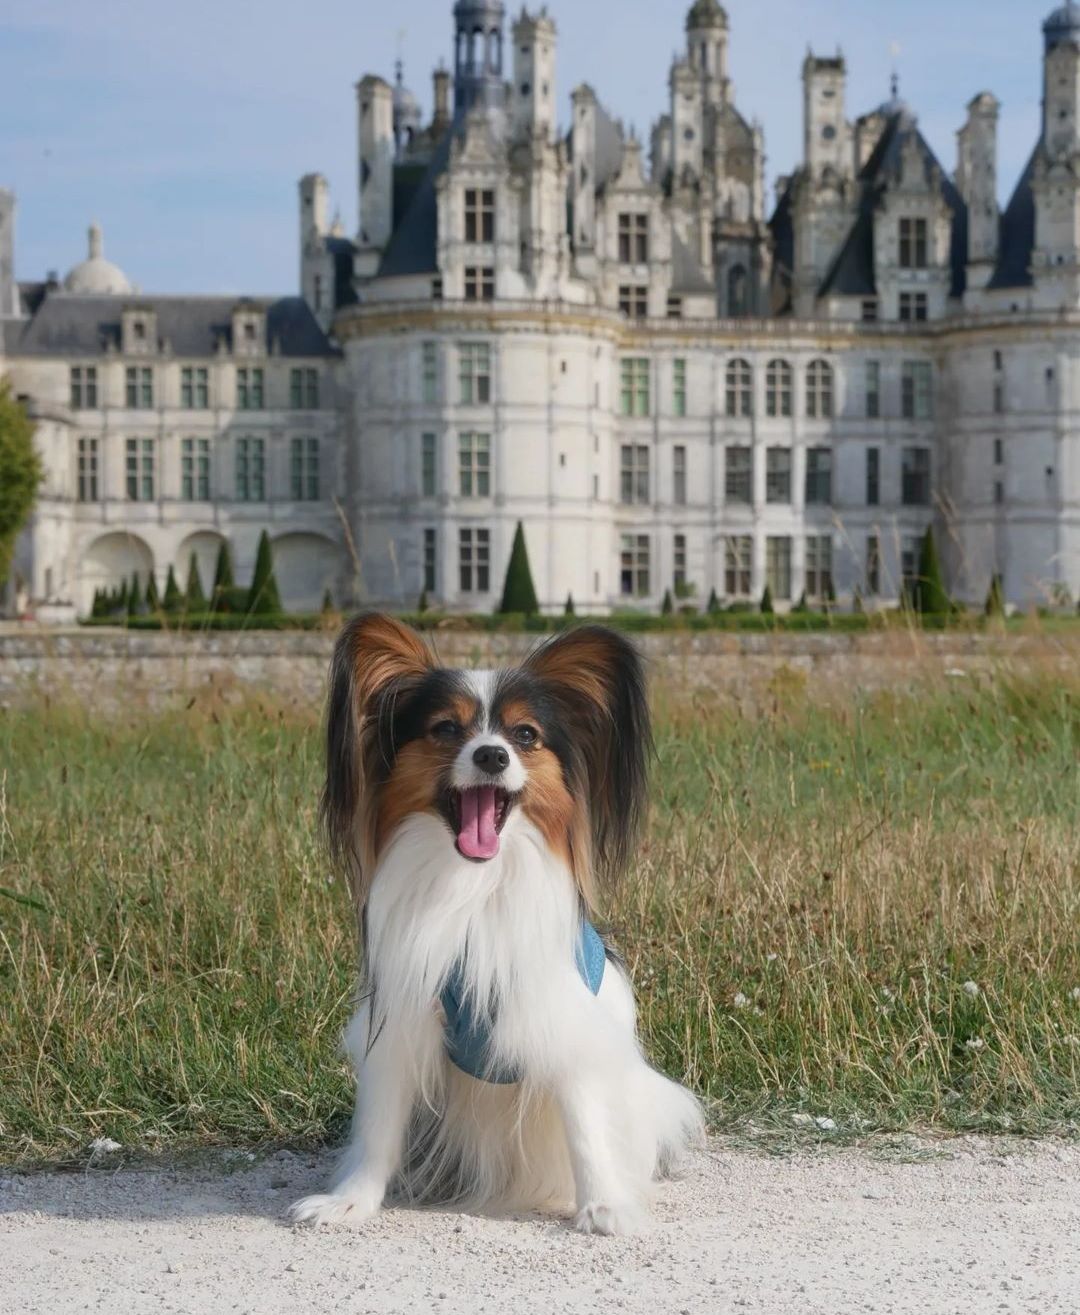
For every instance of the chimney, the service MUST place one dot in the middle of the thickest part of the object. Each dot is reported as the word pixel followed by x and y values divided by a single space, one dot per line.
pixel 441 120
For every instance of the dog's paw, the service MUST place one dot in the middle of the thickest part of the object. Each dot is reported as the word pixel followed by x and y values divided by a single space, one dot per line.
pixel 334 1209
pixel 608 1220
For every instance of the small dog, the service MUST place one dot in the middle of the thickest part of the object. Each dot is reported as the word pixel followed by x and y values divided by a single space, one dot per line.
pixel 477 812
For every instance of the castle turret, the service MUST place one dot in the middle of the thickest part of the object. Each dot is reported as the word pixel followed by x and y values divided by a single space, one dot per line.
pixel 478 55
pixel 1056 256
pixel 375 100
pixel 9 291
pixel 706 48
pixel 976 180
pixel 533 94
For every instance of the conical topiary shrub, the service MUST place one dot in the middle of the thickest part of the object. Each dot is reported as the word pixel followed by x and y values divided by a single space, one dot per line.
pixel 153 600
pixel 668 605
pixel 930 596
pixel 422 604
pixel 802 605
pixel 568 610
pixel 327 602
pixel 134 596
pixel 194 598
pixel 519 595
pixel 224 579
pixel 713 607
pixel 995 599
pixel 767 603
pixel 263 597
pixel 173 597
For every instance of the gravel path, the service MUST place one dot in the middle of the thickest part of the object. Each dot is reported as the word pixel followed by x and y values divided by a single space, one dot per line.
pixel 964 1227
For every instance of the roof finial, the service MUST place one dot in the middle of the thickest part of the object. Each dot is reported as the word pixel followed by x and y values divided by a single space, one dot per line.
pixel 894 81
pixel 95 244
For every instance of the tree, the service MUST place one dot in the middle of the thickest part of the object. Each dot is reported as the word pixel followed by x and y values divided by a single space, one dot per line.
pixel 568 610
pixel 153 601
pixel 263 597
pixel 327 601
pixel 134 597
pixel 930 596
pixel 422 604
pixel 767 603
pixel 519 595
pixel 995 599
pixel 20 474
pixel 802 605
pixel 194 598
pixel 667 606
pixel 173 597
pixel 224 579
pixel 713 606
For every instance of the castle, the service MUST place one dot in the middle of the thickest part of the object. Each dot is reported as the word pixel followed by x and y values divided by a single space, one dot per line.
pixel 613 342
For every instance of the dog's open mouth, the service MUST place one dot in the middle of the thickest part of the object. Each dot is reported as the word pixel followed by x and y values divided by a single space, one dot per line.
pixel 477 817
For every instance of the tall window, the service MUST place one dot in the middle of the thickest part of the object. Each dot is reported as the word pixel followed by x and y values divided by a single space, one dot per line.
pixel 139 381
pixel 679 573
pixel 873 476
pixel 869 310
pixel 250 393
pixel 140 469
pixel 250 470
pixel 739 474
pixel 778 389
pixel 740 388
pixel 479 283
pixel 678 396
pixel 474 465
pixel 429 372
pixel 778 565
pixel 194 388
pixel 195 469
pixel 913 245
pixel 915 481
pixel 304 469
pixel 634 300
pixel 999 397
pixel 633 239
pixel 430 561
pixel 916 396
pixel 910 549
pixel 428 465
pixel 474 373
pixel 634 566
pixel 634 473
pixel 678 476
pixel 88 470
pixel 873 390
pixel 818 476
pixel 304 389
pixel 635 397
pixel 474 561
pixel 873 564
pixel 778 474
pixel 479 214
pixel 84 387
pixel 914 306
pixel 738 565
pixel 819 390
pixel 819 553
pixel 999 452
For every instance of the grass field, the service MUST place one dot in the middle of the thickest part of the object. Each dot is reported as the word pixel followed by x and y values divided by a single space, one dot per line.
pixel 866 912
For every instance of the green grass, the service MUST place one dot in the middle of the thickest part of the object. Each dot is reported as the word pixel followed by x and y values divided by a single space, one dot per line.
pixel 818 883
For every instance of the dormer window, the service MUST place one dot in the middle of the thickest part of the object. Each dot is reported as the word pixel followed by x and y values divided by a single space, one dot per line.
pixel 249 332
pixel 479 214
pixel 913 244
pixel 633 239
pixel 138 329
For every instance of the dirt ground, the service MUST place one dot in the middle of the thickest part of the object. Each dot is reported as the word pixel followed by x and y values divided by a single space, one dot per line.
pixel 953 1228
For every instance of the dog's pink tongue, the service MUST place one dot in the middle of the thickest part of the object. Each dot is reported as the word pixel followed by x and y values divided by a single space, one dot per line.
pixel 478 837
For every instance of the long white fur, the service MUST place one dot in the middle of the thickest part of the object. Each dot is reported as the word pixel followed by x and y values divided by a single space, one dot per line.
pixel 590 1126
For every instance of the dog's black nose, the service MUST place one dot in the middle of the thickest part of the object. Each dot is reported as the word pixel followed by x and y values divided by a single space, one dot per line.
pixel 491 758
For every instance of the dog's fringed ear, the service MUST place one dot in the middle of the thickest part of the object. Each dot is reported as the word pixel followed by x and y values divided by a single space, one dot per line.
pixel 599 678
pixel 376 660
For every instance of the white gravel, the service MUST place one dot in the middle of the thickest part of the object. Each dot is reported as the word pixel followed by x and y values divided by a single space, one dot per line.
pixel 962 1228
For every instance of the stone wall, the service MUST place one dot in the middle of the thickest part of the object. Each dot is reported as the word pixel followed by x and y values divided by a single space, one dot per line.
pixel 112 668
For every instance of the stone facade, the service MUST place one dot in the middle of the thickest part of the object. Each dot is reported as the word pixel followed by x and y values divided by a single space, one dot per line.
pixel 615 345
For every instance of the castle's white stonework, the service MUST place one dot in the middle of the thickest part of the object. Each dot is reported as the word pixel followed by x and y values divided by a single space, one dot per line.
pixel 607 340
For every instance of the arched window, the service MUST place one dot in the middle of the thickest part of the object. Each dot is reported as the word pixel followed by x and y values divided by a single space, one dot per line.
pixel 740 388
pixel 778 389
pixel 737 290
pixel 493 60
pixel 819 390
pixel 462 52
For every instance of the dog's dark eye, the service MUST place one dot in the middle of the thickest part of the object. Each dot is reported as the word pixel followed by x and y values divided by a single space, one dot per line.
pixel 446 730
pixel 525 735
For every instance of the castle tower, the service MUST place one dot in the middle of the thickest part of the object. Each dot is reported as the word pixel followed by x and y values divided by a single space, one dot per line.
pixel 533 95
pixel 826 134
pixel 375 103
pixel 9 291
pixel 478 55
pixel 976 180
pixel 706 48
pixel 1056 257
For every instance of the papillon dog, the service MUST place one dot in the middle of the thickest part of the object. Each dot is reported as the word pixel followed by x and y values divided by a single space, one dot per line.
pixel 479 814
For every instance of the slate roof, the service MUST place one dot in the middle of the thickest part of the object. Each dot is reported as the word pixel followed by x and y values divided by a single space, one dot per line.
pixel 1017 235
pixel 413 245
pixel 65 325
pixel 342 251
pixel 686 272
pixel 852 272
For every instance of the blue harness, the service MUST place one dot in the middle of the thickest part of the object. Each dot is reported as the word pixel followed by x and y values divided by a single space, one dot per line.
pixel 467 1037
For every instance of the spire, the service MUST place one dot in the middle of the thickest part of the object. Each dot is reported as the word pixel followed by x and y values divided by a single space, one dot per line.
pixel 95 244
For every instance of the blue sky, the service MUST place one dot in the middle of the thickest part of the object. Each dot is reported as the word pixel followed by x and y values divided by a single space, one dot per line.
pixel 183 128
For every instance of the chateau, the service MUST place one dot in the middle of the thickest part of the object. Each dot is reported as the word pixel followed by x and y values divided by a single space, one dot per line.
pixel 671 382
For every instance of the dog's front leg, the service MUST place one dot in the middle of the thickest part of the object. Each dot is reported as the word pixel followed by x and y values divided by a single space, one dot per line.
pixel 385 1091
pixel 604 1205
